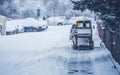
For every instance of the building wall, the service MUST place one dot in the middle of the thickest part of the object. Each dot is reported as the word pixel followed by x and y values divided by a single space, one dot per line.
pixel 3 22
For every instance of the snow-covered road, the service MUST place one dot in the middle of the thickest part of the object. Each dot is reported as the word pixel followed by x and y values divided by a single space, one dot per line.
pixel 49 53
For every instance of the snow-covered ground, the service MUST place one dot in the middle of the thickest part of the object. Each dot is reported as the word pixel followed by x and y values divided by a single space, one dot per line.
pixel 50 53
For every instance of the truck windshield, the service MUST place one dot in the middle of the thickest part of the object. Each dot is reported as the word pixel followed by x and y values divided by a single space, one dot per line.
pixel 83 25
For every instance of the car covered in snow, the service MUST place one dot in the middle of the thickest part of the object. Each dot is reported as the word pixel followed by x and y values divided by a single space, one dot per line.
pixel 58 20
pixel 32 25
pixel 25 25
pixel 13 27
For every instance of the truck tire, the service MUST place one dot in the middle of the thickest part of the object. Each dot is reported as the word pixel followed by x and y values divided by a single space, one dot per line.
pixel 60 23
pixel 35 30
pixel 75 47
pixel 75 43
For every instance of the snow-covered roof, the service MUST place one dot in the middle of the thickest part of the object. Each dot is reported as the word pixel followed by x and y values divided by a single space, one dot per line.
pixel 30 22
pixel 33 22
pixel 80 18
pixel 74 19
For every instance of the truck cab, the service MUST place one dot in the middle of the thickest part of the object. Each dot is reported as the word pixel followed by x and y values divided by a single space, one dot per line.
pixel 82 35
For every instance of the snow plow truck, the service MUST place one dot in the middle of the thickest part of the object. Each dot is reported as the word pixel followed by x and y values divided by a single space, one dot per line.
pixel 81 35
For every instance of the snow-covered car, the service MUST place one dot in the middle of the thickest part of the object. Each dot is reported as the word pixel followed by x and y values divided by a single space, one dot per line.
pixel 59 20
pixel 25 25
pixel 32 25
pixel 14 27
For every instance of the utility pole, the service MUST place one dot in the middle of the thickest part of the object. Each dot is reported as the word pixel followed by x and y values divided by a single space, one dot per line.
pixel 38 14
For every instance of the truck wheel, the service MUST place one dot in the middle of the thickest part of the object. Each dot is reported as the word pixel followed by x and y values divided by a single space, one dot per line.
pixel 75 47
pixel 75 43
pixel 35 30
pixel 60 23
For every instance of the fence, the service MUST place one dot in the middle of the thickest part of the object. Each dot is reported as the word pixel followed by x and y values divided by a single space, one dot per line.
pixel 111 40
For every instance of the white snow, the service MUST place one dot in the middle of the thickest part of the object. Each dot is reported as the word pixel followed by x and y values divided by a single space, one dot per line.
pixel 11 25
pixel 50 53
pixel 0 23
pixel 74 19
pixel 33 22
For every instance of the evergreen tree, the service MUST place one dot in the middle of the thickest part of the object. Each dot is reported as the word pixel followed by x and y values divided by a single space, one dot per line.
pixel 109 10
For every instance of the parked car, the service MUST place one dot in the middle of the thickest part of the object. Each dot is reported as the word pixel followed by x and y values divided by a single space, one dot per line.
pixel 59 20
pixel 32 25
pixel 25 25
pixel 14 27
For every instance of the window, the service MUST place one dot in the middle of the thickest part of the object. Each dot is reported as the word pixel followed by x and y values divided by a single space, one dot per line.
pixel 87 24
pixel 80 24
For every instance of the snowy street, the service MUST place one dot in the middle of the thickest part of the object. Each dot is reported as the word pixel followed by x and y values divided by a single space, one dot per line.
pixel 50 53
pixel 59 37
